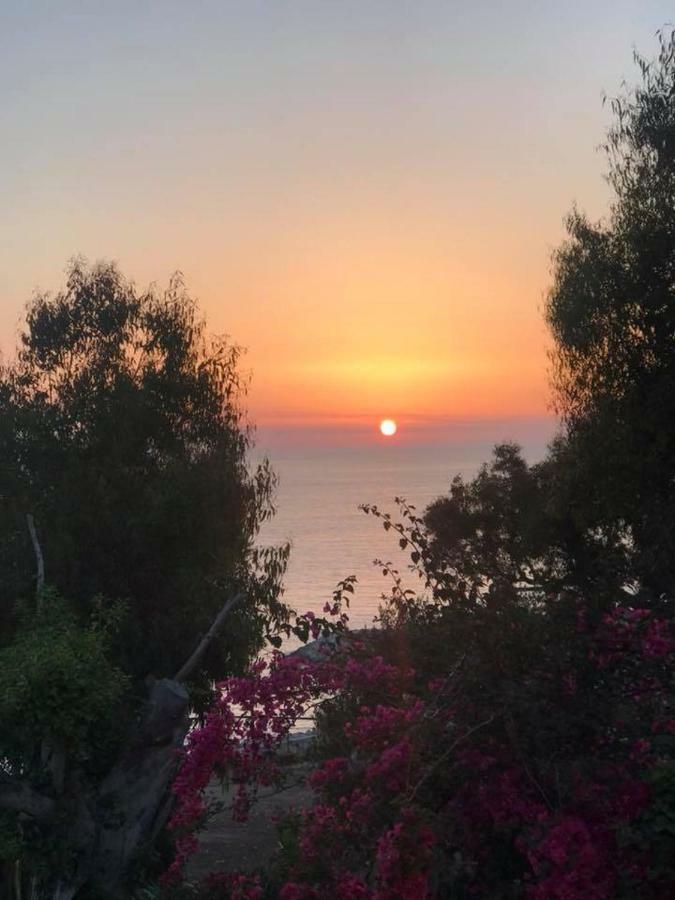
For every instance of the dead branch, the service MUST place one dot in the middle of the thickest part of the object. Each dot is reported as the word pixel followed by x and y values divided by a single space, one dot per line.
pixel 432 768
pixel 39 558
pixel 188 668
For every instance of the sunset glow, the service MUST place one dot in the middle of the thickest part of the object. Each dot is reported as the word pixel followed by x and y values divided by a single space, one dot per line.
pixel 356 227
pixel 388 427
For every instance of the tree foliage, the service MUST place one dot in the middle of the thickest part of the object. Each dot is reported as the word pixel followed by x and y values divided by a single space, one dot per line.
pixel 126 477
pixel 121 433
pixel 523 530
pixel 58 685
pixel 611 311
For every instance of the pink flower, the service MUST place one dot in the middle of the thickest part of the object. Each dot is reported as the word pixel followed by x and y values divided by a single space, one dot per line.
pixel 351 887
pixel 657 640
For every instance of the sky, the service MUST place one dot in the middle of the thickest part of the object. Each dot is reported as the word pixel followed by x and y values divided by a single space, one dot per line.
pixel 363 194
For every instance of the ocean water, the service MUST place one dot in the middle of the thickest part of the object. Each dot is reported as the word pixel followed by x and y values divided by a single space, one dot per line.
pixel 320 489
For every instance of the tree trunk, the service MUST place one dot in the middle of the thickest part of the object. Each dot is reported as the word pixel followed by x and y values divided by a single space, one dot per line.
pixel 137 788
pixel 110 824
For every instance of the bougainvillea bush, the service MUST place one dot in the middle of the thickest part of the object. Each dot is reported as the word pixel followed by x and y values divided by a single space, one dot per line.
pixel 494 748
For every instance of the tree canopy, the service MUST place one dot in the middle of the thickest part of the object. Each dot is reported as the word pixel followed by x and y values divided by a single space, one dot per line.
pixel 122 435
pixel 611 311
pixel 130 581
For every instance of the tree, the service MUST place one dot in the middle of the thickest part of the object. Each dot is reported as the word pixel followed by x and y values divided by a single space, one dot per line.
pixel 611 311
pixel 125 477
pixel 522 531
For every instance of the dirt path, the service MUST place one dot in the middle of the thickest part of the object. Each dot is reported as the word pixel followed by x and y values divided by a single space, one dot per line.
pixel 225 845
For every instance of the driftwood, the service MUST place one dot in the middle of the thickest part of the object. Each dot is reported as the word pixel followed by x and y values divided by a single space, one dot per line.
pixel 110 823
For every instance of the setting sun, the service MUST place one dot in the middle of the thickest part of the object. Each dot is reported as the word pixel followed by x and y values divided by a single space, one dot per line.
pixel 388 427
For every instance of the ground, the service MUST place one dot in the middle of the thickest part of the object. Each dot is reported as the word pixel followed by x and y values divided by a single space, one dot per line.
pixel 225 845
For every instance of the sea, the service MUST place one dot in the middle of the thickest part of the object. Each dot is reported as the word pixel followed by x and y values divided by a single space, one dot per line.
pixel 321 488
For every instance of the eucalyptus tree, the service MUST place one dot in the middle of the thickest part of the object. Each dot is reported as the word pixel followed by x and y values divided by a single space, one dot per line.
pixel 611 311
pixel 130 579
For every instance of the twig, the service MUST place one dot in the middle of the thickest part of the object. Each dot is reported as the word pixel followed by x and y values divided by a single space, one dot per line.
pixel 260 795
pixel 447 753
pixel 537 786
pixel 39 558
pixel 187 668
pixel 513 738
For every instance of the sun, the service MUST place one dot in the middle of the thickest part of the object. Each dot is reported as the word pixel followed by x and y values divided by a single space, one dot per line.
pixel 388 427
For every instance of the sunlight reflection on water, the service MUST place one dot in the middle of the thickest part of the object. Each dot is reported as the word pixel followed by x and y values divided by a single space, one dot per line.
pixel 319 493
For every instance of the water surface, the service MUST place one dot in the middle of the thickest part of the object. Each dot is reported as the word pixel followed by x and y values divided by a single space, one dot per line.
pixel 320 490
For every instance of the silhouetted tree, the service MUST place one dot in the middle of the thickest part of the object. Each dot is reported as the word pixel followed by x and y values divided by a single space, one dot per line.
pixel 521 531
pixel 599 512
pixel 126 490
pixel 612 315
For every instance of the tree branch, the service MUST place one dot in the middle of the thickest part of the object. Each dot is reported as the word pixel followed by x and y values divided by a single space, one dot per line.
pixel 437 762
pixel 188 668
pixel 21 797
pixel 39 558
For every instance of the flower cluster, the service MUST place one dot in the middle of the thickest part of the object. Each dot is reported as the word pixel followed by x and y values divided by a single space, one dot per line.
pixel 439 790
pixel 234 886
pixel 239 736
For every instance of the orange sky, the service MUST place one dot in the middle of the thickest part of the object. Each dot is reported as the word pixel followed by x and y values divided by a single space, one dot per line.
pixel 365 195
pixel 366 323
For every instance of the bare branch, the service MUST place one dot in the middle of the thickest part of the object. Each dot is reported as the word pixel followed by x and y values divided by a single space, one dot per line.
pixel 21 797
pixel 188 668
pixel 437 762
pixel 39 558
